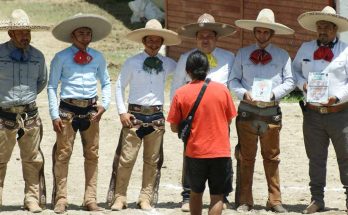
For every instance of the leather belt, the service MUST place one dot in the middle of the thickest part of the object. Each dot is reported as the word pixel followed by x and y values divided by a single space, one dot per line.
pixel 262 104
pixel 81 102
pixel 155 123
pixel 327 109
pixel 146 110
pixel 20 108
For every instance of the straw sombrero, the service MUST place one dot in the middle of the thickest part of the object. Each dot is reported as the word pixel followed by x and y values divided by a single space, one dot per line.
pixel 100 26
pixel 308 20
pixel 19 20
pixel 265 19
pixel 206 22
pixel 154 28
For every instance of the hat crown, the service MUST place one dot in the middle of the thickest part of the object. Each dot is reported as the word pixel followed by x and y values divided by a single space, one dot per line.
pixel 206 18
pixel 266 15
pixel 153 24
pixel 328 10
pixel 19 18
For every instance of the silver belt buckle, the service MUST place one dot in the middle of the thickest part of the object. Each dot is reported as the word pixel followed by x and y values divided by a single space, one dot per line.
pixel 146 110
pixel 323 110
pixel 261 104
pixel 80 103
pixel 19 109
pixel 145 125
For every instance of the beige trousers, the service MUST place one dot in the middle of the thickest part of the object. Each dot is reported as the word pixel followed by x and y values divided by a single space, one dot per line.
pixel 131 144
pixel 61 155
pixel 29 139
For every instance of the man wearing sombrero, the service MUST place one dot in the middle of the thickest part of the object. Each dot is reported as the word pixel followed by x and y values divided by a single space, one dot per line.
pixel 23 76
pixel 261 76
pixel 143 120
pixel 206 32
pixel 77 69
pixel 324 120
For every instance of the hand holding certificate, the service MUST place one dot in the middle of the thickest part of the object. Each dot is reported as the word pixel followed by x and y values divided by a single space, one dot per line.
pixel 262 89
pixel 318 88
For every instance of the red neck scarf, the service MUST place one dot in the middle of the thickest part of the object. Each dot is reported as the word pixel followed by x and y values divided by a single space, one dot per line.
pixel 260 56
pixel 323 52
pixel 82 58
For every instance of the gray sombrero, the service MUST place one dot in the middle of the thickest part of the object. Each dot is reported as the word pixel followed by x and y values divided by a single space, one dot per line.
pixel 19 20
pixel 153 27
pixel 100 26
pixel 265 19
pixel 308 20
pixel 206 22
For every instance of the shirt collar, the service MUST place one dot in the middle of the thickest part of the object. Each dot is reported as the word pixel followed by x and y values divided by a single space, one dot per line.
pixel 75 49
pixel 11 46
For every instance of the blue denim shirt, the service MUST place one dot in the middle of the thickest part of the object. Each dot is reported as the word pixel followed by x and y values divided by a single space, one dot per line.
pixel 20 82
pixel 77 81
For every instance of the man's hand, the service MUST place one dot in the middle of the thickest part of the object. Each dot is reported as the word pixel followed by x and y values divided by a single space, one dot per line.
pixel 57 125
pixel 247 97
pixel 126 119
pixel 331 101
pixel 100 110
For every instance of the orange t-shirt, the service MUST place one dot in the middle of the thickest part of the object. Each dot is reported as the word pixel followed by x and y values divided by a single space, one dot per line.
pixel 209 136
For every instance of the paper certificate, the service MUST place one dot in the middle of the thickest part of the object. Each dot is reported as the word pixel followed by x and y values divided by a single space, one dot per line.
pixel 262 89
pixel 318 87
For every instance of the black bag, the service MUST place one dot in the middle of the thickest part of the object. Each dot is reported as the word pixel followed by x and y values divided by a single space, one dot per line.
pixel 184 127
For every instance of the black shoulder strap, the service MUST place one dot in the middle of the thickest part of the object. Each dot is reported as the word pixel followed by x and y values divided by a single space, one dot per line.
pixel 199 98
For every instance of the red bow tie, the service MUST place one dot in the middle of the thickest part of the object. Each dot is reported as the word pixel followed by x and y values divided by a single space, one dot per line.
pixel 324 53
pixel 260 56
pixel 82 58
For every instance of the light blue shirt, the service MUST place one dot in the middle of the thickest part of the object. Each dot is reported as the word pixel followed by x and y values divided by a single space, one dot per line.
pixel 278 71
pixel 77 81
pixel 337 69
pixel 20 82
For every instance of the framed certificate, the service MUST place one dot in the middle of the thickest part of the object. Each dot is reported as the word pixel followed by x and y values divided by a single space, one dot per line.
pixel 262 89
pixel 318 87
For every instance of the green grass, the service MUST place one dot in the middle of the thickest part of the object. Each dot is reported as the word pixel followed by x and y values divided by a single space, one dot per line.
pixel 294 97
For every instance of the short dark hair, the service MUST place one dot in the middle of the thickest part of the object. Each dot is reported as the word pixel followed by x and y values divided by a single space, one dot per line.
pixel 197 65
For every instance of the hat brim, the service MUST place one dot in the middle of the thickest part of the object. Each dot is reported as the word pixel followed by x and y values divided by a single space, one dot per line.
pixel 26 27
pixel 276 27
pixel 222 30
pixel 170 38
pixel 308 20
pixel 100 27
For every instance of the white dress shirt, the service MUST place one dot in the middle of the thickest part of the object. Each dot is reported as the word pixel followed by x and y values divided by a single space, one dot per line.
pixel 220 73
pixel 337 69
pixel 278 71
pixel 144 88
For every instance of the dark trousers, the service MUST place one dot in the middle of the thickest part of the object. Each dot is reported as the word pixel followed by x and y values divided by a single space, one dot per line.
pixel 186 181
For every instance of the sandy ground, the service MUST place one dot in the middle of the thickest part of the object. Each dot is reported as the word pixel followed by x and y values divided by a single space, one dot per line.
pixel 293 168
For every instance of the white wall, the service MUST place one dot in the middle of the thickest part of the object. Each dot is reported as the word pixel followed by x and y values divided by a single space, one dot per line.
pixel 342 9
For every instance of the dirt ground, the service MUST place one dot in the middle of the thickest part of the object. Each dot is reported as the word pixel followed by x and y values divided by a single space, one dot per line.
pixel 293 166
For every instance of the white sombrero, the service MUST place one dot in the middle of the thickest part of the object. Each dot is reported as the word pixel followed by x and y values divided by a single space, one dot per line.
pixel 19 20
pixel 265 19
pixel 206 22
pixel 154 28
pixel 100 26
pixel 308 20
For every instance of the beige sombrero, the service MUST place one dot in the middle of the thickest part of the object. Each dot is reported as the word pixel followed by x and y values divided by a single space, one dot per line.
pixel 19 20
pixel 153 27
pixel 100 26
pixel 265 19
pixel 308 20
pixel 206 22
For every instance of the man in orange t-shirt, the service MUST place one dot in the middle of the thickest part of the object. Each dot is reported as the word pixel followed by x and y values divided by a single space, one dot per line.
pixel 208 148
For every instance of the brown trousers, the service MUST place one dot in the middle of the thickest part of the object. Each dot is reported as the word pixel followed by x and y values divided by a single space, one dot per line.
pixel 29 133
pixel 125 158
pixel 62 151
pixel 249 132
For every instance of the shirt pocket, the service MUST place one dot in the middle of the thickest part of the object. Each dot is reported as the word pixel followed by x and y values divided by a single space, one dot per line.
pixel 307 67
pixel 6 70
pixel 33 70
